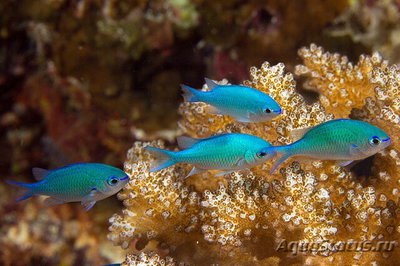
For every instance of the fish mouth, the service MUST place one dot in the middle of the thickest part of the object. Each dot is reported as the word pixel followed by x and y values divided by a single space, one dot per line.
pixel 386 140
pixel 278 111
pixel 124 178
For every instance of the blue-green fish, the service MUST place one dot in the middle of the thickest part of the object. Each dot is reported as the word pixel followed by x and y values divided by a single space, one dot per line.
pixel 225 152
pixel 344 140
pixel 84 182
pixel 243 103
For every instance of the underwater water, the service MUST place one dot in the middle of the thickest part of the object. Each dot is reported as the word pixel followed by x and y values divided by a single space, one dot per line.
pixel 100 81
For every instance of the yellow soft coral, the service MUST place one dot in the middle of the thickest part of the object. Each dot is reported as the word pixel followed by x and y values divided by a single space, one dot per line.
pixel 245 217
pixel 148 259
pixel 158 205
pixel 342 85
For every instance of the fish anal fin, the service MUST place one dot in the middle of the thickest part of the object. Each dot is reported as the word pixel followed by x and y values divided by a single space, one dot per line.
pixel 39 173
pixel 305 160
pixel 344 163
pixel 185 142
pixel 51 201
pixel 212 110
pixel 297 134
pixel 90 200
pixel 211 84
pixel 195 171
pixel 222 173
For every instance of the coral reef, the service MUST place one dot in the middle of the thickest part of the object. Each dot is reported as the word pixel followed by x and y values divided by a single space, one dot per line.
pixel 32 235
pixel 348 84
pixel 148 259
pixel 244 216
pixel 373 24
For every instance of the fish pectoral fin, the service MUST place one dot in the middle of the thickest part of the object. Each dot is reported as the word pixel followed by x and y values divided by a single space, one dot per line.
pixel 347 164
pixel 243 163
pixel 90 200
pixel 88 205
pixel 195 171
pixel 251 116
pixel 51 201
pixel 212 110
pixel 39 173
pixel 356 151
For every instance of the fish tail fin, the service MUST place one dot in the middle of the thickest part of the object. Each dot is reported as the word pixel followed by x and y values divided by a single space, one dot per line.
pixel 190 94
pixel 273 151
pixel 27 194
pixel 163 158
pixel 19 184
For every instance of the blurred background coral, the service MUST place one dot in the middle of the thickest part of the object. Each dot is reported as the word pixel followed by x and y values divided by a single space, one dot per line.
pixel 82 80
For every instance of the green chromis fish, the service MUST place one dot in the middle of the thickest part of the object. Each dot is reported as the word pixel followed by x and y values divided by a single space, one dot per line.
pixel 243 103
pixel 344 140
pixel 84 182
pixel 225 152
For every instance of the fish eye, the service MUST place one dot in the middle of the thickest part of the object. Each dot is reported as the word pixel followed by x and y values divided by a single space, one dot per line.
pixel 268 111
pixel 261 154
pixel 375 141
pixel 112 181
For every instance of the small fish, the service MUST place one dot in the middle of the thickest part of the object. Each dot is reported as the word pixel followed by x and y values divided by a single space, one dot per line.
pixel 243 103
pixel 344 140
pixel 84 182
pixel 225 152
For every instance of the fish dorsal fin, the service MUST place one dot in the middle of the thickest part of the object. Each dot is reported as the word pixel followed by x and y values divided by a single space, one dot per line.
pixel 39 173
pixel 297 134
pixel 211 84
pixel 185 142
